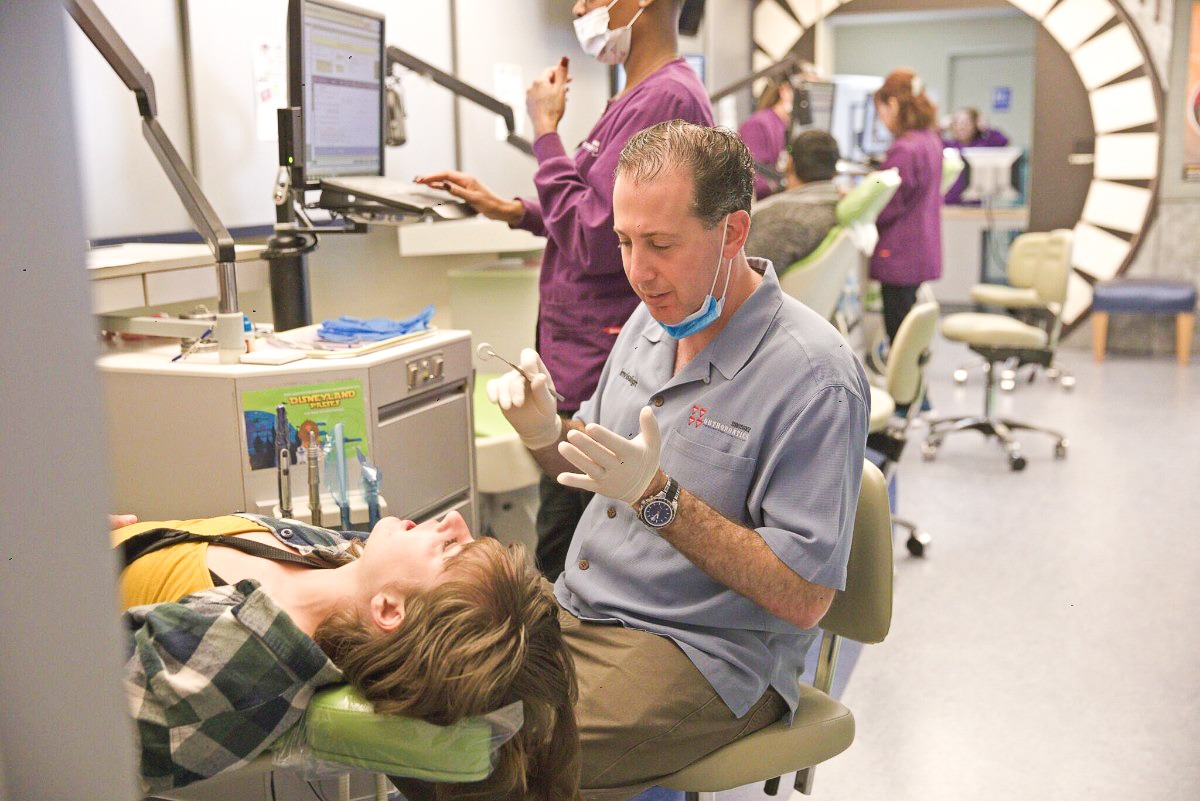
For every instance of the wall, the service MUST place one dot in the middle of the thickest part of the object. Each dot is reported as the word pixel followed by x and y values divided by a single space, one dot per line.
pixel 1173 241
pixel 124 190
pixel 1058 189
pixel 928 44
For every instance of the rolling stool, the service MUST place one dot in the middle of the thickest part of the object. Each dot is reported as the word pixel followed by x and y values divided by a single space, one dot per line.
pixel 1145 296
pixel 997 338
pixel 823 727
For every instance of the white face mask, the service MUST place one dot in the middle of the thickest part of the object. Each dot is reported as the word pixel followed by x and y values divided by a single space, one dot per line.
pixel 607 47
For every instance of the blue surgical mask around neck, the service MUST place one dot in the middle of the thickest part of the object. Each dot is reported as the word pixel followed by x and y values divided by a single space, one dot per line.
pixel 710 310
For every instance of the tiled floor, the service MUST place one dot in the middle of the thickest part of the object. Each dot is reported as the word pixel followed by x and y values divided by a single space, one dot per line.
pixel 1047 646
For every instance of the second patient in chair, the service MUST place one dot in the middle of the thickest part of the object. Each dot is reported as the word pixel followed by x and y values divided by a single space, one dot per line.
pixel 789 226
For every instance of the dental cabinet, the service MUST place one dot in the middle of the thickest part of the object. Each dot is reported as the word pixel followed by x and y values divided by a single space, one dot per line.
pixel 183 437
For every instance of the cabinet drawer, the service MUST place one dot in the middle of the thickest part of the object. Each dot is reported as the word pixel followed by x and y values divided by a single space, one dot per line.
pixel 423 449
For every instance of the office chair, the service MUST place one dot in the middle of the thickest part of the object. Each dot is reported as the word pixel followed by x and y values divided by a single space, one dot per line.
pixel 999 338
pixel 819 279
pixel 1034 293
pixel 823 727
pixel 904 389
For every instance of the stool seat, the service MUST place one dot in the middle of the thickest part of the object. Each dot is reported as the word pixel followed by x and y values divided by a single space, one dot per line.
pixel 882 407
pixel 994 330
pixel 1010 297
pixel 821 730
pixel 1144 296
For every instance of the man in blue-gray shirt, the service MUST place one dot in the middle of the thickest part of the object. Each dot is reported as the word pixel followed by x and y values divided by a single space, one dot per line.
pixel 724 444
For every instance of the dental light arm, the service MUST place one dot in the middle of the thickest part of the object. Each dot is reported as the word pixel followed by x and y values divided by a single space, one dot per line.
pixel 464 90
pixel 782 68
pixel 229 328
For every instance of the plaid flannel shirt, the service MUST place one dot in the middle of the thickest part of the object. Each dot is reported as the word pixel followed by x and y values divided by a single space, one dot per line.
pixel 217 677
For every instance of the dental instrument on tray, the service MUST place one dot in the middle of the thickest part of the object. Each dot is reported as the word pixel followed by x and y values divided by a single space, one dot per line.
pixel 369 475
pixel 339 481
pixel 484 351
pixel 283 451
pixel 314 478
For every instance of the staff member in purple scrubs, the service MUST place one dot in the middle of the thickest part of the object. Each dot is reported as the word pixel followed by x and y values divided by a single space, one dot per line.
pixel 967 130
pixel 765 131
pixel 584 297
pixel 909 251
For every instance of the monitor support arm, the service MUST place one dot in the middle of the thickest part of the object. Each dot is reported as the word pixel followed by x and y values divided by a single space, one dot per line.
pixel 782 68
pixel 405 59
pixel 229 325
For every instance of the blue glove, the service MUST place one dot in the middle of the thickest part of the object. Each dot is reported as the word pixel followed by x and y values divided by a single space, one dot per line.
pixel 356 329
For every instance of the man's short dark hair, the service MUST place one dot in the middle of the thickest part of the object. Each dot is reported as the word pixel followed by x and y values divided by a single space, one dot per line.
pixel 719 164
pixel 814 155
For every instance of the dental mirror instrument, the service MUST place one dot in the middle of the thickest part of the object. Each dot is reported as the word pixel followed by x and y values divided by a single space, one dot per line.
pixel 370 475
pixel 314 479
pixel 484 351
pixel 284 452
pixel 342 496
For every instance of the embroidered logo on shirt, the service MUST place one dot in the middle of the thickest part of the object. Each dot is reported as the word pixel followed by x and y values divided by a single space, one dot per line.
pixel 592 147
pixel 633 382
pixel 699 419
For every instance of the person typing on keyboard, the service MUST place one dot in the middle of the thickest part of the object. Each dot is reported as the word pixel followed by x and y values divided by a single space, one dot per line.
pixel 584 299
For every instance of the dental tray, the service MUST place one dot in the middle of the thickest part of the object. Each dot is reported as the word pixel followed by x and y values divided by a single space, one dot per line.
pixel 306 339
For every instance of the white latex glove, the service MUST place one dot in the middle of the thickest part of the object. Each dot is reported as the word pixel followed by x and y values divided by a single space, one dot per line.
pixel 612 465
pixel 528 405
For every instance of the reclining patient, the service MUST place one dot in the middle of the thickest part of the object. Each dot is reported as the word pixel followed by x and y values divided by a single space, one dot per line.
pixel 229 643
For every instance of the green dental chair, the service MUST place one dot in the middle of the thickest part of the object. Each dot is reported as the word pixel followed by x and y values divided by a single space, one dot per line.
pixel 340 729
pixel 819 279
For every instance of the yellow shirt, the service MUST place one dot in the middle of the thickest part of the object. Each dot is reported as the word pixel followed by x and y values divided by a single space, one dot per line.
pixel 171 573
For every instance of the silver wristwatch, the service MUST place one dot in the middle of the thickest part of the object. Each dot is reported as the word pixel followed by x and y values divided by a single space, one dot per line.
pixel 659 509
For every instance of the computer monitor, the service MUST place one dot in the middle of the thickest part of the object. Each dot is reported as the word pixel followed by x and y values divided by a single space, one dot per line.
pixel 812 106
pixel 336 64
pixel 854 123
pixel 690 17
pixel 993 177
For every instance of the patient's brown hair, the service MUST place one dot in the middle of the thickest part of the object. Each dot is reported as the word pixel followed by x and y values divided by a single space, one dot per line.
pixel 487 636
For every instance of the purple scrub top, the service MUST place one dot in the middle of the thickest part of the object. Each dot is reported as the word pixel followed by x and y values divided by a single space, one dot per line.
pixel 909 251
pixel 766 137
pixel 584 296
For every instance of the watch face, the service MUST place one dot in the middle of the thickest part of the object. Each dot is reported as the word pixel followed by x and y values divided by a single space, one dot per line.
pixel 657 513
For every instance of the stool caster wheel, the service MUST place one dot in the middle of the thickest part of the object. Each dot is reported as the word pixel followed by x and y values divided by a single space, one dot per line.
pixel 929 450
pixel 1067 382
pixel 1053 373
pixel 1016 461
pixel 960 376
pixel 1060 449
pixel 916 543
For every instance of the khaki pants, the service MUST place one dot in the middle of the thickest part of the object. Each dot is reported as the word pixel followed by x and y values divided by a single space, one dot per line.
pixel 645 711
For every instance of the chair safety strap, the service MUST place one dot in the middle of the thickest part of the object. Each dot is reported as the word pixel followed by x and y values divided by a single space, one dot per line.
pixel 155 539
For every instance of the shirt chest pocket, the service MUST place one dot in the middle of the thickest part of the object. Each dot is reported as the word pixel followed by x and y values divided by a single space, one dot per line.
pixel 722 480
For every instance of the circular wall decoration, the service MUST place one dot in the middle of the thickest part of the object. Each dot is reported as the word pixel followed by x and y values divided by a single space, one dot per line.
pixel 1125 96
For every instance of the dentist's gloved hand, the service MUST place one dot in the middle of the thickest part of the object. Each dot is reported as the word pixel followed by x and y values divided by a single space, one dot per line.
pixel 612 465
pixel 529 406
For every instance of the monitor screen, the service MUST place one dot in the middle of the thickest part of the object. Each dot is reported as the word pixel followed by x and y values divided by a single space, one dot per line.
pixel 813 105
pixel 992 174
pixel 853 116
pixel 336 57
pixel 690 17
